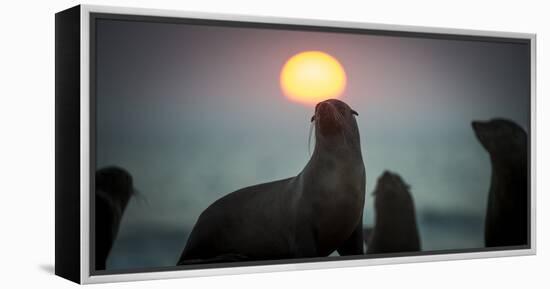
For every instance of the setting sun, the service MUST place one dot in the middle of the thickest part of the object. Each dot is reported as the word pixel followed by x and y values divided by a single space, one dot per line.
pixel 312 76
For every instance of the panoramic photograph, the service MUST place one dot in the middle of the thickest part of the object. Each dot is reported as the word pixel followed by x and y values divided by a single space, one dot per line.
pixel 227 145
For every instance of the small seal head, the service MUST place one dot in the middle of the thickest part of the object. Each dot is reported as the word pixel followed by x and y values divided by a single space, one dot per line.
pixel 502 137
pixel 116 183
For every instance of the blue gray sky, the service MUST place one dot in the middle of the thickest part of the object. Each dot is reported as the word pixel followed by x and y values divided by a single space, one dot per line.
pixel 195 112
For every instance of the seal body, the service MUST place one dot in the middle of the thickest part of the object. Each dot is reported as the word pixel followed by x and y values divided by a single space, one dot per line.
pixel 395 228
pixel 114 187
pixel 506 221
pixel 310 215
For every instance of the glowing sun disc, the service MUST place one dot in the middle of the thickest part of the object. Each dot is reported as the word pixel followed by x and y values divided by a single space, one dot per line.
pixel 312 76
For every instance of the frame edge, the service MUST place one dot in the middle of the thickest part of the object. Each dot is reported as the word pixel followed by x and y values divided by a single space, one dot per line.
pixel 87 278
pixel 67 141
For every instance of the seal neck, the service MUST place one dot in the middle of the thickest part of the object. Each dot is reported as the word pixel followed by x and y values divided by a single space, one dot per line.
pixel 346 151
pixel 334 166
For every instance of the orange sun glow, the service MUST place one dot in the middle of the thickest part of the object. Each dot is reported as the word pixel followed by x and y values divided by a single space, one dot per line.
pixel 312 76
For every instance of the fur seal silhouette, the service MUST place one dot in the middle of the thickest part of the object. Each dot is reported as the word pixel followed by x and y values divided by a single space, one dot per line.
pixel 506 221
pixel 310 215
pixel 395 228
pixel 114 187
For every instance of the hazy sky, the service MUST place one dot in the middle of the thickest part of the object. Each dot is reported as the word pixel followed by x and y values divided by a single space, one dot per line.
pixel 196 112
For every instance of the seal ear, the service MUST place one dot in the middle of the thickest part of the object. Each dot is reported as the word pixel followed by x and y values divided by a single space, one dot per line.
pixel 354 112
pixel 312 118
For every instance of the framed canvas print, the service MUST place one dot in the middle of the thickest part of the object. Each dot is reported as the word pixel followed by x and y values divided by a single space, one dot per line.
pixel 192 144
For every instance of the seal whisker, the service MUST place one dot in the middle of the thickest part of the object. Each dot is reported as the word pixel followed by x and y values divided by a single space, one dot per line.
pixel 312 125
pixel 141 199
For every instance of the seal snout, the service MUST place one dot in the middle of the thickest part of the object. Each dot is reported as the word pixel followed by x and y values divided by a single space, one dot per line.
pixel 478 126
pixel 327 117
pixel 390 181
pixel 116 182
pixel 481 129
pixel 325 109
pixel 388 176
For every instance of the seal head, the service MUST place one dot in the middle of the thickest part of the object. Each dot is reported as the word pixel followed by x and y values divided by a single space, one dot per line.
pixel 335 124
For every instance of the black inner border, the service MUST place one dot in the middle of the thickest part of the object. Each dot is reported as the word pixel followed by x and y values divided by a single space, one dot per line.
pixel 292 27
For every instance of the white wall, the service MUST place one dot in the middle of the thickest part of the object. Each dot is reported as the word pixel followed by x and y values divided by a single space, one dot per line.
pixel 27 142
